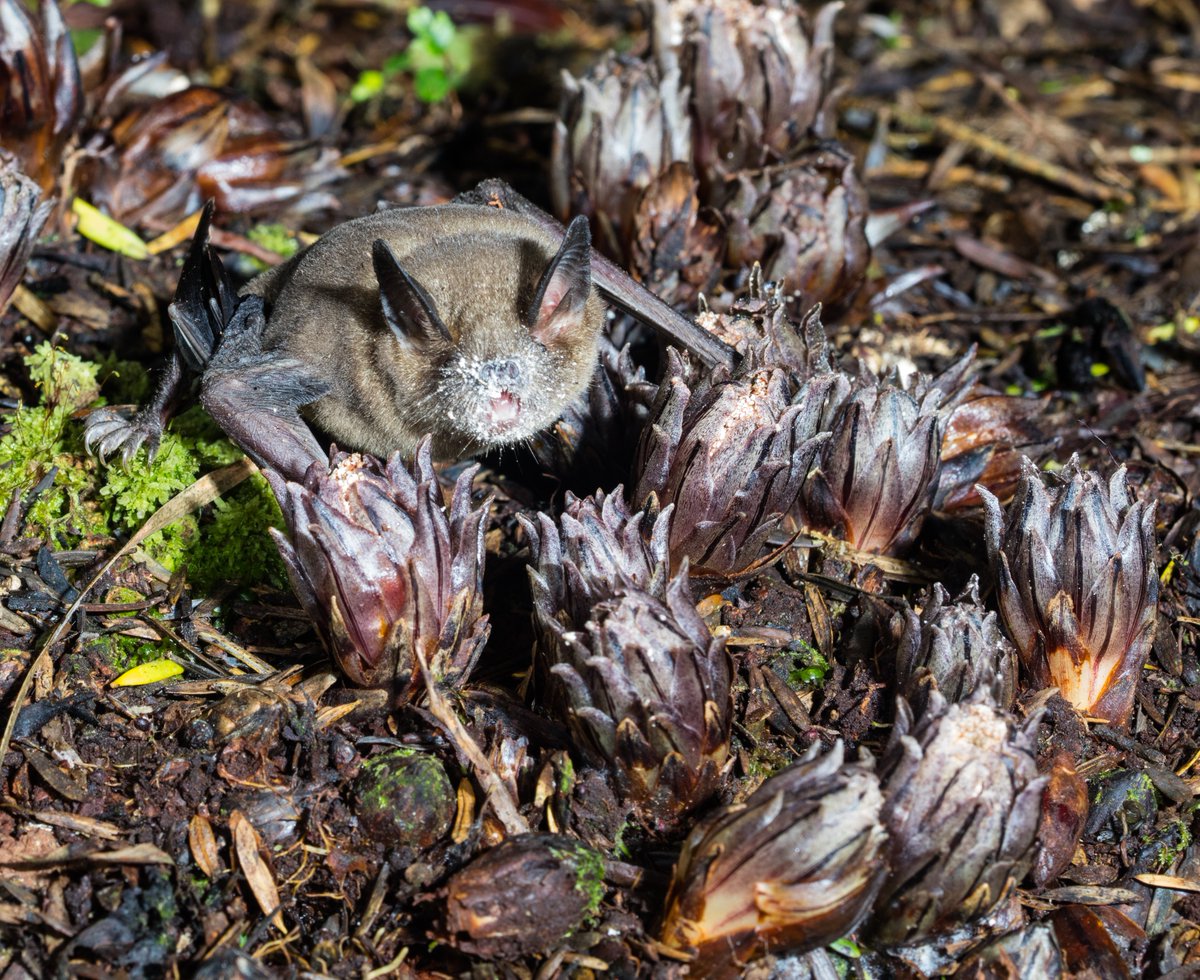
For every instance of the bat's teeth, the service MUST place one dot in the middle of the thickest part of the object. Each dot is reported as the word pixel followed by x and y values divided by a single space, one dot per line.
pixel 503 411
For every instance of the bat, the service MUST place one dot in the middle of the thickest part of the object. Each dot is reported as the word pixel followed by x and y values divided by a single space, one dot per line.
pixel 476 322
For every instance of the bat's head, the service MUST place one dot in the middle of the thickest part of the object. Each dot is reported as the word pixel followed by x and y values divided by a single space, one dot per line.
pixel 495 338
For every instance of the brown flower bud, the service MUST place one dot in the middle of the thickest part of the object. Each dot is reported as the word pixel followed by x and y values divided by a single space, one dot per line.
pixel 874 479
pixel 523 896
pixel 760 77
pixel 960 646
pixel 648 693
pixel 41 97
pixel 387 575
pixel 1078 586
pixel 794 867
pixel 730 453
pixel 805 222
pixel 21 219
pixel 962 803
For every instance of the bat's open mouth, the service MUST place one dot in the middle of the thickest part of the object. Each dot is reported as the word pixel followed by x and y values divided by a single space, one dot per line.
pixel 504 411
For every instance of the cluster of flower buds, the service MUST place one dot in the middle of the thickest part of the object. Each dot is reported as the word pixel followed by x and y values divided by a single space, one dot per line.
pixel 958 647
pixel 716 151
pixel 391 580
pixel 730 454
pixel 795 866
pixel 41 96
pixel 1078 584
pixel 22 215
pixel 641 681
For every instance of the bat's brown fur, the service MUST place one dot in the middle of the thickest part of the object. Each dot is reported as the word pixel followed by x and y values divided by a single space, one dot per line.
pixel 481 268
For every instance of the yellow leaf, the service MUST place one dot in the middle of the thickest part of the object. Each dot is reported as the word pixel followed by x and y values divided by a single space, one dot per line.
pixel 149 673
pixel 98 227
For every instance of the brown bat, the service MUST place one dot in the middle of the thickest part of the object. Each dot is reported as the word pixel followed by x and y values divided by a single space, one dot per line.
pixel 476 324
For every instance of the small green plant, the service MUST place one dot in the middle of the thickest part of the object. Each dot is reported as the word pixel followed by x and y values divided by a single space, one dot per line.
pixel 438 58
pixel 811 667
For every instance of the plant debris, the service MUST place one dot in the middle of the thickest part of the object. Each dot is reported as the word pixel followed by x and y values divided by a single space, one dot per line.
pixel 871 654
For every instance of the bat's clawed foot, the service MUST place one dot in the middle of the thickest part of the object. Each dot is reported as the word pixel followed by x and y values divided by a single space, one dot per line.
pixel 109 431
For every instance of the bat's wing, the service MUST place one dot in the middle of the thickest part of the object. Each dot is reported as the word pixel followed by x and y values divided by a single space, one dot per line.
pixel 204 304
pixel 205 300
pixel 617 286
pixel 255 396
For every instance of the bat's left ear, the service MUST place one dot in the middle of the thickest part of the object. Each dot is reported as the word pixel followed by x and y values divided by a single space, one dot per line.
pixel 562 295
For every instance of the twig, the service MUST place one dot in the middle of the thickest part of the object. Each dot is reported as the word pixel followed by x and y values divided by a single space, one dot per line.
pixel 1018 159
pixel 497 793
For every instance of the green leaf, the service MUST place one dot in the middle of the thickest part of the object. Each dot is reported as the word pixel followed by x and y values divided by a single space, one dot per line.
pixel 441 30
pixel 432 85
pixel 98 227
pixel 369 85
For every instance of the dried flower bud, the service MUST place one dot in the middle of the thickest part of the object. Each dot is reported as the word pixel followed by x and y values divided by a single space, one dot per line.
pixel 962 804
pixel 986 434
pixel 523 896
pixel 622 126
pixel 21 219
pixel 1032 952
pixel 874 480
pixel 759 76
pixel 648 693
pixel 804 222
pixel 758 322
pixel 41 97
pixel 385 573
pixel 794 867
pixel 677 242
pixel 597 549
pixel 1064 815
pixel 960 645
pixel 730 454
pixel 1078 587
pixel 404 797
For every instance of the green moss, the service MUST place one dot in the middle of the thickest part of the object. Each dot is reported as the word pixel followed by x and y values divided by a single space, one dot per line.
pixel 810 667
pixel 227 543
pixel 566 776
pixel 589 879
pixel 235 545
pixel 275 238
pixel 620 848
pixel 63 379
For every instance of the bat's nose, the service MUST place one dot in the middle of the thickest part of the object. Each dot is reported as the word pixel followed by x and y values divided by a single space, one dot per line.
pixel 502 372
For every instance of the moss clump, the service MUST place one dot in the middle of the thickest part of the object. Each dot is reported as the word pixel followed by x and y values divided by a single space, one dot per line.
pixel 229 543
pixel 39 440
pixel 404 797
pixel 589 879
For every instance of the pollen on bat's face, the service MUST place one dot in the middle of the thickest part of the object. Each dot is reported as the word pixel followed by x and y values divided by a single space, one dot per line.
pixel 500 400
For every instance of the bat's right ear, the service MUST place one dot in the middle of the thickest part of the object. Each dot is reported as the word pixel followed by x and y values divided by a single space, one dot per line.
pixel 407 308
pixel 562 294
